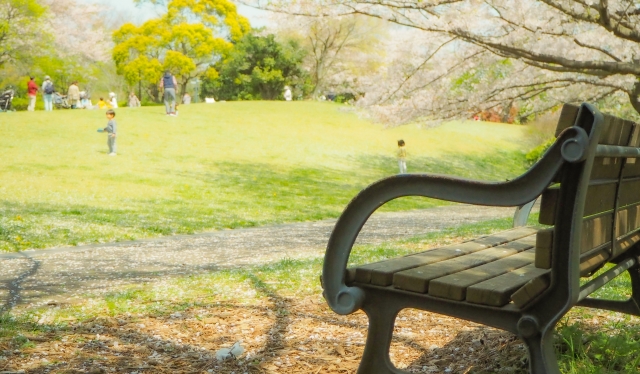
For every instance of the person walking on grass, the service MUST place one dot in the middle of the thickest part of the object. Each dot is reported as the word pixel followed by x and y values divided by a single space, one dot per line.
pixel 169 84
pixel 32 91
pixel 402 157
pixel 111 129
pixel 47 94
pixel 73 94
pixel 134 102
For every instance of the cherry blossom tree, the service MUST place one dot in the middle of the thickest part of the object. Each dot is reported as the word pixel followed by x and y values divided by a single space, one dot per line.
pixel 19 29
pixel 476 55
pixel 341 50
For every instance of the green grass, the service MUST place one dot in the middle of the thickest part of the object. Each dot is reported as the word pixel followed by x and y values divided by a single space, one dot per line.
pixel 226 165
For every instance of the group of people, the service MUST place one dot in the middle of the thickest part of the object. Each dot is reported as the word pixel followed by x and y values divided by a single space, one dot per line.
pixel 79 99
pixel 74 99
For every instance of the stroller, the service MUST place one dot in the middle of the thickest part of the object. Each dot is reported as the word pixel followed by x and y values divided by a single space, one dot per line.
pixel 60 101
pixel 6 98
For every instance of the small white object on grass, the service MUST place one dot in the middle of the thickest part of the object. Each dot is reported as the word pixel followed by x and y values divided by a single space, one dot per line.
pixel 228 353
pixel 209 100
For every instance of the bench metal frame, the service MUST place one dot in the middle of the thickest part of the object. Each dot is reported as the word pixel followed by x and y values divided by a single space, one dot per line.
pixel 569 161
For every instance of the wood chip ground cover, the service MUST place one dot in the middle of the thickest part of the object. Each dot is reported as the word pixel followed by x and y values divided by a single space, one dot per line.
pixel 279 336
pixel 282 335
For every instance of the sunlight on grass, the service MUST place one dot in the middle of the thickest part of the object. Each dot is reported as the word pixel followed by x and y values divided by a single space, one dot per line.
pixel 218 166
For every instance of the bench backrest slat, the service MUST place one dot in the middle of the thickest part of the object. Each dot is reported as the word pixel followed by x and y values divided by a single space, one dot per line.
pixel 612 204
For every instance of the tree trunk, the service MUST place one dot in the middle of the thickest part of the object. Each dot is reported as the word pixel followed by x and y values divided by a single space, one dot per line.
pixel 183 89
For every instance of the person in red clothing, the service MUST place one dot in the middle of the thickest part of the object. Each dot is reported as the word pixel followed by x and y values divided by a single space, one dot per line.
pixel 32 88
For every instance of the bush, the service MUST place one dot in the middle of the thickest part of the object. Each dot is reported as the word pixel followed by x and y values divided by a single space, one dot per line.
pixel 22 103
pixel 345 97
pixel 536 154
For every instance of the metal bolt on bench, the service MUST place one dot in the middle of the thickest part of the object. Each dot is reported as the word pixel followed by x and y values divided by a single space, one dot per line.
pixel 522 280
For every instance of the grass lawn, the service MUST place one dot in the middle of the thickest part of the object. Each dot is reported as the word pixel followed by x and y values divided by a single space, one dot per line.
pixel 176 326
pixel 226 165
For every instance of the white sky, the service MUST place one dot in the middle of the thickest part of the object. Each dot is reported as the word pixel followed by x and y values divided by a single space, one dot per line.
pixel 257 18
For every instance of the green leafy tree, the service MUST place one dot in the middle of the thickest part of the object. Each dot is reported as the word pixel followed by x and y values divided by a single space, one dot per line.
pixel 187 41
pixel 20 31
pixel 259 67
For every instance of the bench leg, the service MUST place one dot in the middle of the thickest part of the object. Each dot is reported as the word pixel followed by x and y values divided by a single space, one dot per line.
pixel 375 359
pixel 542 357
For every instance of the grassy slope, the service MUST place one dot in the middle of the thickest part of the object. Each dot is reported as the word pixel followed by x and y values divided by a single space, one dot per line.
pixel 215 166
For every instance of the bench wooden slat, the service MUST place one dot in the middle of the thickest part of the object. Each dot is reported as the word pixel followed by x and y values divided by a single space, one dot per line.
pixel 629 192
pixel 381 273
pixel 631 168
pixel 627 224
pixel 596 231
pixel 616 131
pixel 417 279
pixel 606 167
pixel 593 261
pixel 497 291
pixel 600 198
pixel 531 290
pixel 625 243
pixel 568 115
pixel 544 245
pixel 454 286
pixel 364 272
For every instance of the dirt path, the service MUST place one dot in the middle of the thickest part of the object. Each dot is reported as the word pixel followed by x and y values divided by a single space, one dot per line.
pixel 37 277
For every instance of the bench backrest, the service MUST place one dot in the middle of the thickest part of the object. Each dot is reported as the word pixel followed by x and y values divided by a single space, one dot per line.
pixel 611 221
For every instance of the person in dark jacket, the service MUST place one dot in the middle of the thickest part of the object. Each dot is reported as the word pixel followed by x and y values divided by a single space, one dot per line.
pixel 169 84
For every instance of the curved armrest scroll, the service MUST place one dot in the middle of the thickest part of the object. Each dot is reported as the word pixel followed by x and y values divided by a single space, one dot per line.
pixel 527 187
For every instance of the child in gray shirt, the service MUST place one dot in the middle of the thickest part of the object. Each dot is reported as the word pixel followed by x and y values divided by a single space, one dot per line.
pixel 111 132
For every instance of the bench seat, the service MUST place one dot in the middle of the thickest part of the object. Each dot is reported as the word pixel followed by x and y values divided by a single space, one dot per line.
pixel 460 271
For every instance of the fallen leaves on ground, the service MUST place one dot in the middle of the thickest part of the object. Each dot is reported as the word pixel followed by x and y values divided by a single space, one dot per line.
pixel 279 336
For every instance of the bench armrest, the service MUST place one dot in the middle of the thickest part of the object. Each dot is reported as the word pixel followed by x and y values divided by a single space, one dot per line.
pixel 571 146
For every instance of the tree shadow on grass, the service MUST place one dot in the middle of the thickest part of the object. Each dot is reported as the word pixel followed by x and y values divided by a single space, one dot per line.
pixel 14 286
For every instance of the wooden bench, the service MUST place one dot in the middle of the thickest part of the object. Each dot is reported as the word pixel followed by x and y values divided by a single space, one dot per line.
pixel 522 280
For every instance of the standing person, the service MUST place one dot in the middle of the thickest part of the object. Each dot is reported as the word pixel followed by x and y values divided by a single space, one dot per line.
pixel 113 99
pixel 402 157
pixel 287 93
pixel 73 95
pixel 47 94
pixel 169 84
pixel 134 102
pixel 32 90
pixel 111 129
